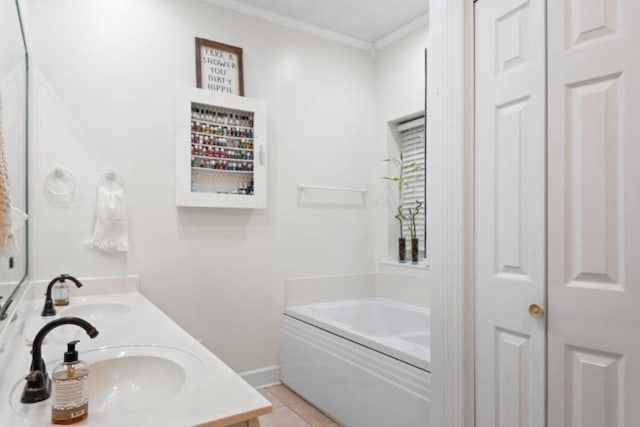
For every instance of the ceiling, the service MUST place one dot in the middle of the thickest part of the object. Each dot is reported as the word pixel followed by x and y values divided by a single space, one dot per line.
pixel 363 21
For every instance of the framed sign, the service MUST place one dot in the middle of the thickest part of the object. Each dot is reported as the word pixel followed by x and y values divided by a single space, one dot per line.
pixel 219 67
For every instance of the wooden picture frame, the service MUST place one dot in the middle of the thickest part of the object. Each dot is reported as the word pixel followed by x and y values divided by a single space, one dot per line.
pixel 219 67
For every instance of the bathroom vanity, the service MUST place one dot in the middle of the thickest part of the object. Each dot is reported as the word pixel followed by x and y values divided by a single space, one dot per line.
pixel 144 368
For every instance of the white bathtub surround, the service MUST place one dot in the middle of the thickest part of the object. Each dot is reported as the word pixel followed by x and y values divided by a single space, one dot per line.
pixel 401 331
pixel 309 290
pixel 408 289
pixel 363 362
pixel 189 385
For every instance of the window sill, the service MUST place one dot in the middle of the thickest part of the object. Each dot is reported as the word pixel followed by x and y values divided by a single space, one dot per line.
pixel 420 270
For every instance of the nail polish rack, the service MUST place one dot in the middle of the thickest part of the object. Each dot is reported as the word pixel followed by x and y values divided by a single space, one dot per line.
pixel 225 161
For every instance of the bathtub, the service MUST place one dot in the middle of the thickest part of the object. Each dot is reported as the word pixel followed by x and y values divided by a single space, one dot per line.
pixel 364 362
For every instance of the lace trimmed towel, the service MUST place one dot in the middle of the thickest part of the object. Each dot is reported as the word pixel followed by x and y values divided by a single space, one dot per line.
pixel 11 247
pixel 110 227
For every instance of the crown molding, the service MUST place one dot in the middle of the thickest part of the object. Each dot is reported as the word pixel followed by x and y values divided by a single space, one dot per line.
pixel 295 24
pixel 401 32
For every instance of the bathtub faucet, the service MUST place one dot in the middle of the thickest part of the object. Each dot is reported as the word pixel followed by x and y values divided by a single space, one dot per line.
pixel 38 387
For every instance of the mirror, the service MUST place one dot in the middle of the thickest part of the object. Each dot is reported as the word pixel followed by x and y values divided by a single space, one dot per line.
pixel 13 111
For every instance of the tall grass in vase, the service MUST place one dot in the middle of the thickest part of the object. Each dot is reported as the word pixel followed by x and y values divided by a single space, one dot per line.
pixel 400 181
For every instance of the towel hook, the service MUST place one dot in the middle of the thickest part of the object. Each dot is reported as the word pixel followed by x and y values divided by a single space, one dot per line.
pixel 112 177
pixel 59 173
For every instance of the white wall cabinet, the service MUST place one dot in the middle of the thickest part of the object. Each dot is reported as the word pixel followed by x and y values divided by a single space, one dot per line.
pixel 221 155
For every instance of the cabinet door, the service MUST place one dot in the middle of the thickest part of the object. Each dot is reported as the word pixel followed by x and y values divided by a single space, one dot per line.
pixel 594 213
pixel 220 150
pixel 510 212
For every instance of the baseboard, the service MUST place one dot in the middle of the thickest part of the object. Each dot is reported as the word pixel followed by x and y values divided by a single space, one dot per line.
pixel 263 377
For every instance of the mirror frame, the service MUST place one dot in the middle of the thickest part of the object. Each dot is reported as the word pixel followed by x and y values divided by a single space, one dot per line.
pixel 4 308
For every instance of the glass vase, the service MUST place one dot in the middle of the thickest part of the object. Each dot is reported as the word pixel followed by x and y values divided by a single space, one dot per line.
pixel 402 249
pixel 415 250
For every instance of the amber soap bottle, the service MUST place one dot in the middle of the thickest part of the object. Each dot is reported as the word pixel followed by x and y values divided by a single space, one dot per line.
pixel 70 403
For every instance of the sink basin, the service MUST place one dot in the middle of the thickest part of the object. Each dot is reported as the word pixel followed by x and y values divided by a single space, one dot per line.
pixel 88 310
pixel 91 312
pixel 134 382
pixel 95 311
pixel 125 380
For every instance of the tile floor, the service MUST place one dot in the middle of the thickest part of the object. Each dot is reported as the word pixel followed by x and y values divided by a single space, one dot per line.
pixel 290 410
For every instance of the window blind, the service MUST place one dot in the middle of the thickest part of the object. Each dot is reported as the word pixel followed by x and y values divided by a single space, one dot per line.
pixel 412 144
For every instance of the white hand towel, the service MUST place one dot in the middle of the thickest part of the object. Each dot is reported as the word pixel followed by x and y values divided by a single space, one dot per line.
pixel 18 219
pixel 110 228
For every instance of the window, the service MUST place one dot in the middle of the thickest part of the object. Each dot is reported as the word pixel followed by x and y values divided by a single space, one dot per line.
pixel 412 145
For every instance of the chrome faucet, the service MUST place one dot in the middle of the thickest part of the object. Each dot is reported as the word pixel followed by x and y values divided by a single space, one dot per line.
pixel 38 387
pixel 49 309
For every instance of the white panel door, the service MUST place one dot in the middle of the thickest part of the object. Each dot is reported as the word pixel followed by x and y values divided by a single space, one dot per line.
pixel 510 212
pixel 594 213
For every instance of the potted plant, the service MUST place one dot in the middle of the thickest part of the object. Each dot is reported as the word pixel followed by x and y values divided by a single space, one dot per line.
pixel 402 242
pixel 401 182
pixel 413 212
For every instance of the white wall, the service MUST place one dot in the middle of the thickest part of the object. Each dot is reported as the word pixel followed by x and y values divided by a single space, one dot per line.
pixel 104 81
pixel 11 48
pixel 399 79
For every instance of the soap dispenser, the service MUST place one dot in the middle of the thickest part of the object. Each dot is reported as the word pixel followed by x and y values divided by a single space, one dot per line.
pixel 70 403
pixel 61 293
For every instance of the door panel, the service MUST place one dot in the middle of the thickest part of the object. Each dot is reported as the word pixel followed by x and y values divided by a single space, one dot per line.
pixel 510 212
pixel 594 213
pixel 594 377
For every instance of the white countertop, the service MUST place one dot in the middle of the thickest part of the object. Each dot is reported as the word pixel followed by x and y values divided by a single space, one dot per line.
pixel 218 397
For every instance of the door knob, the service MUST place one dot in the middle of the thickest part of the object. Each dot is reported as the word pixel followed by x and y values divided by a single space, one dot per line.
pixel 536 311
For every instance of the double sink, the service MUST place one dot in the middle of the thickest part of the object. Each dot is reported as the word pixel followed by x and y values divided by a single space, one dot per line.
pixel 143 368
pixel 123 379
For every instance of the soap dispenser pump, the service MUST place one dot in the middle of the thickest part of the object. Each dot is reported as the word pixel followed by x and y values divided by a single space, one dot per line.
pixel 70 403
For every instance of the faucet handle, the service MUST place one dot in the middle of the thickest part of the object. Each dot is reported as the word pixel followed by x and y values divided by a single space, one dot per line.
pixel 38 387
pixel 35 377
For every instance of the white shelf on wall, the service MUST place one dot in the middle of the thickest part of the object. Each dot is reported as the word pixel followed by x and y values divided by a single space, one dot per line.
pixel 228 148
pixel 218 170
pixel 221 158
pixel 220 150
pixel 221 136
